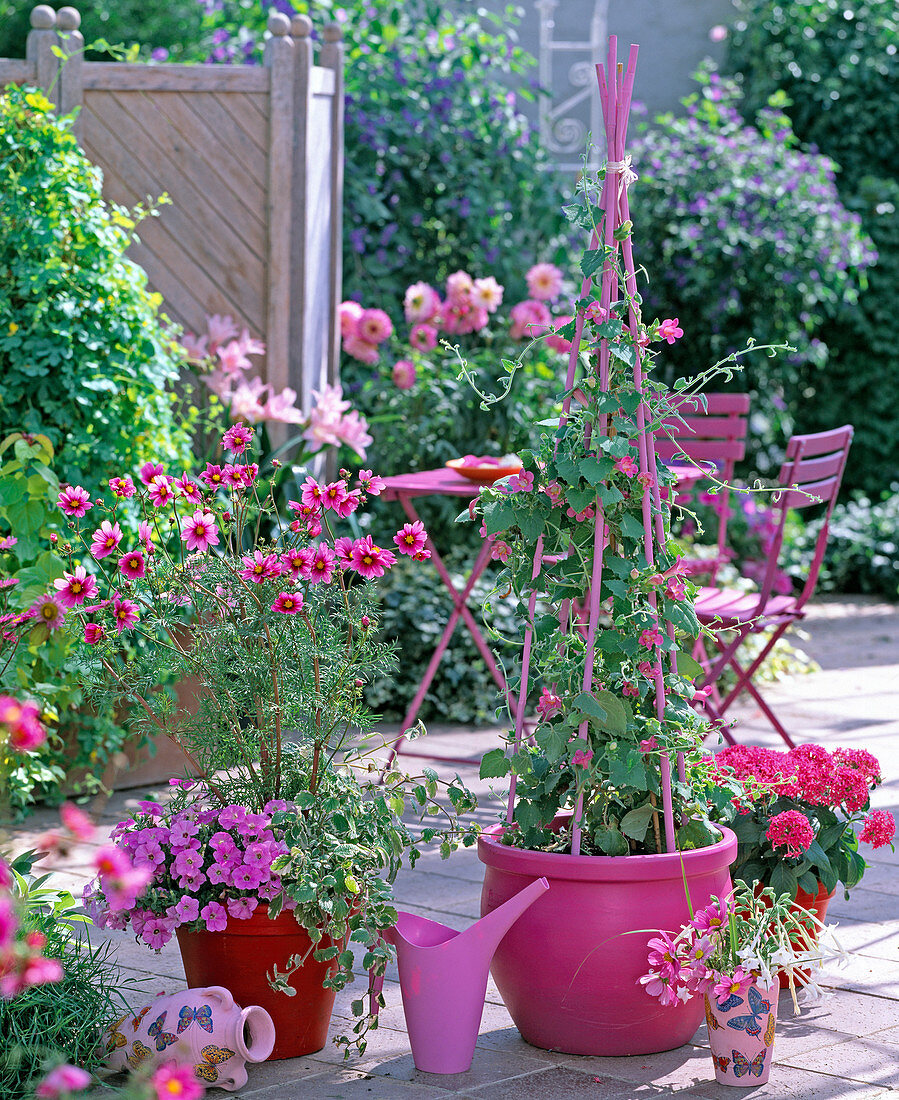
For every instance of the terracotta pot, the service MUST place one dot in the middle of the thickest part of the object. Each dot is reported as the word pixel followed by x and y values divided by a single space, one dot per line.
pixel 814 903
pixel 239 958
pixel 741 1035
pixel 568 969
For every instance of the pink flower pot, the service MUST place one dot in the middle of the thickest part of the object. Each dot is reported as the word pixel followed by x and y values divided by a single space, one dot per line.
pixel 203 1027
pixel 741 1035
pixel 569 968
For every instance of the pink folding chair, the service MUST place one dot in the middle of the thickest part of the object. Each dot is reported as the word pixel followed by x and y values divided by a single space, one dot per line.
pixel 811 474
pixel 714 436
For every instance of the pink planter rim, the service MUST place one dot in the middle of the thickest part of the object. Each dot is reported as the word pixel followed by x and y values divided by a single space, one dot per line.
pixel 580 868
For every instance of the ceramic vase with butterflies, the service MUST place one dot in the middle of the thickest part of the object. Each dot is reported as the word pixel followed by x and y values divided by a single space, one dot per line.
pixel 741 1034
pixel 203 1027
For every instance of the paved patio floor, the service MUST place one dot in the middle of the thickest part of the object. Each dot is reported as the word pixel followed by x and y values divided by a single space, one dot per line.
pixel 845 1046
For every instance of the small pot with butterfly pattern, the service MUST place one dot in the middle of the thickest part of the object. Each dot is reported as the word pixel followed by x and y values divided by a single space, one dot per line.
pixel 741 1034
pixel 199 1026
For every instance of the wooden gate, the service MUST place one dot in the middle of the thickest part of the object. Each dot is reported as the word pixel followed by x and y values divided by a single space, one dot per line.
pixel 252 160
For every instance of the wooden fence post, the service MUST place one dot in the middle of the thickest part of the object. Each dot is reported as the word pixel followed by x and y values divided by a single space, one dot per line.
pixel 332 58
pixel 71 93
pixel 301 29
pixel 279 59
pixel 39 49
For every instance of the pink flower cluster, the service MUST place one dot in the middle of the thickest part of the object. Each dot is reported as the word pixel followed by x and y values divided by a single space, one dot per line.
pixel 20 724
pixel 679 966
pixel 363 330
pixel 332 422
pixel 198 866
pixel 790 831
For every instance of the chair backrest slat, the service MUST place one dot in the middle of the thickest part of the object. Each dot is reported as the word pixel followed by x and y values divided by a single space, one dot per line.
pixel 810 493
pixel 812 469
pixel 720 449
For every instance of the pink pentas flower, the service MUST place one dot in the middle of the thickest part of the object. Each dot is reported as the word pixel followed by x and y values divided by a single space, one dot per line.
pixel 160 491
pixel 790 831
pixel 411 538
pixel 62 1082
pixel 131 565
pixel 670 330
pixel 581 757
pixel 74 501
pixel 105 539
pixel 627 466
pixel 421 302
pixel 125 614
pixel 374 326
pixel 75 587
pixel 49 610
pixel 260 567
pixel 548 705
pixel 487 294
pixel 93 633
pixel 323 565
pixel 544 281
pixel 370 561
pixel 403 374
pixel 371 483
pixel 122 487
pixel 423 337
pixel 879 829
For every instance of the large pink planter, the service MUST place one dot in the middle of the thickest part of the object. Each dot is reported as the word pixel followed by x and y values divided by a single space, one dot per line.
pixel 568 969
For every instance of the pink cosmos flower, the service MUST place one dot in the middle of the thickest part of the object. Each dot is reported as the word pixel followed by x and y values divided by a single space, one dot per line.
pixel 160 491
pixel 212 476
pixel 125 614
pixel 298 561
pixel 131 565
pixel 627 466
pixel 323 565
pixel 669 330
pixel 232 476
pixel 735 985
pixel 237 438
pixel 333 493
pixel 145 534
pixel 548 705
pixel 371 483
pixel 361 350
pixel 343 547
pixel 791 831
pixel 122 487
pixel 879 829
pixel 421 302
pixel 650 638
pixel 544 281
pixel 582 757
pixel 93 633
pixel 22 722
pixel 487 294
pixel 403 374
pixel 75 587
pixel 74 501
pixel 423 337
pixel 374 326
pixel 663 953
pixel 48 610
pixel 713 917
pixel 172 1080
pixel 659 985
pixel 149 470
pixel 188 489
pixel 62 1081
pixel 411 538
pixel 343 508
pixel 459 287
pixel 200 531
pixel 215 916
pixel 349 313
pixel 311 493
pixel 105 539
pixel 369 560
pixel 260 567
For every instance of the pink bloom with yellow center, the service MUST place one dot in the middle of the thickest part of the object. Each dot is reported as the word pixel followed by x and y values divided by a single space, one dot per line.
pixel 369 560
pixel 174 1082
pixel 333 494
pixel 595 312
pixel 250 472
pixel 200 531
pixel 411 538
pixel 160 491
pixel 311 493
pixel 48 610
pixel 669 330
pixel 105 539
pixel 212 476
pixel 75 587
pixel 122 487
pixel 237 438
pixel 260 567
pixel 131 565
pixel 522 482
pixel 421 302
pixel 188 489
pixel 627 466
pixel 735 985
pixel 149 470
pixel 232 476
pixel 371 483
pixel 343 547
pixel 500 551
pixel 459 287
pixel 487 294
pixel 374 326
pixel 403 374
pixel 288 603
pixel 74 501
pixel 93 633
pixel 22 722
pixel 423 337
pixel 125 614
pixel 343 508
pixel 544 281
pixel 323 565
pixel 145 534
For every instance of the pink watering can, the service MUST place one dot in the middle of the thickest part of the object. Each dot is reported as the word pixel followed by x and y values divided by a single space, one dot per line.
pixel 443 979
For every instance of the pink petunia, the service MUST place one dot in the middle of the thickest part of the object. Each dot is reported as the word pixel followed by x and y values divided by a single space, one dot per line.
pixel 288 603
pixel 323 565
pixel 75 587
pixel 200 531
pixel 215 916
pixel 131 565
pixel 369 560
pixel 669 330
pixel 74 501
pixel 125 614
pixel 122 487
pixel 105 539
pixel 411 538
pixel 241 908
pixel 93 633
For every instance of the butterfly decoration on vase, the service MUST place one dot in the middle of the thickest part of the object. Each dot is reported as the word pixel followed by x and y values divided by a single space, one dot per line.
pixel 163 1038
pixel 139 1053
pixel 751 1024
pixel 709 1017
pixel 742 1065
pixel 213 1056
pixel 135 1023
pixel 202 1015
pixel 729 1002
pixel 116 1038
pixel 769 1031
pixel 721 1062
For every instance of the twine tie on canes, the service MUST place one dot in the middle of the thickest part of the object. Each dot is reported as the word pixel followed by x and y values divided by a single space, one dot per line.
pixel 626 174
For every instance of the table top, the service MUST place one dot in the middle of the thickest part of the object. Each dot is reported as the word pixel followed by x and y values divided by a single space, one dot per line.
pixel 446 482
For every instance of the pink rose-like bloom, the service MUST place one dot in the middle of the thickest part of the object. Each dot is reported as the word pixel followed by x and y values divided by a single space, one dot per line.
pixel 349 313
pixel 403 374
pixel 48 610
pixel 149 470
pixel 215 916
pixel 530 319
pixel 93 633
pixel 361 350
pixel 544 281
pixel 879 829
pixel 487 294
pixel 459 287
pixel 548 705
pixel 288 603
pixel 374 326
pixel 371 483
pixel 131 565
pixel 323 565
pixel 125 614
pixel 582 757
pixel 421 302
pixel 22 721
pixel 62 1081
pixel 74 501
pixel 122 487
pixel 76 821
pixel 105 539
pixel 200 531
pixel 370 561
pixel 172 1080
pixel 75 587
pixel 669 330
pixel 423 337
pixel 791 831
pixel 627 466
pixel 411 538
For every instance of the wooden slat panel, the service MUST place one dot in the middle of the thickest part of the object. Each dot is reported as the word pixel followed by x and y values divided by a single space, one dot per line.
pixel 14 70
pixel 322 81
pixel 180 303
pixel 125 77
pixel 318 246
pixel 212 111
pixel 251 121
pixel 213 255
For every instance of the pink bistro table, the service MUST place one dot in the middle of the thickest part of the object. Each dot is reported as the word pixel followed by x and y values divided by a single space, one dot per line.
pixel 446 482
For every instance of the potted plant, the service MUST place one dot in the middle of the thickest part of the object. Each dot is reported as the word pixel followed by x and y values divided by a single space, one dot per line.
pixel 730 954
pixel 607 797
pixel 271 616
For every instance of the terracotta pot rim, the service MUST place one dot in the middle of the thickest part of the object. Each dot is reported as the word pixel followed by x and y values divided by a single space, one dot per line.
pixel 584 868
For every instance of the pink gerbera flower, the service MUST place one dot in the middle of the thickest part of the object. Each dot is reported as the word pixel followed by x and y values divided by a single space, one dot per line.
pixel 323 565
pixel 288 603
pixel 131 565
pixel 411 538
pixel 237 438
pixel 122 487
pixel 75 587
pixel 125 614
pixel 160 491
pixel 370 560
pixel 74 501
pixel 105 539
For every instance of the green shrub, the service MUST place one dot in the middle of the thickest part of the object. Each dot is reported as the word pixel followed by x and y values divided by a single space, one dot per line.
pixel 838 65
pixel 84 354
